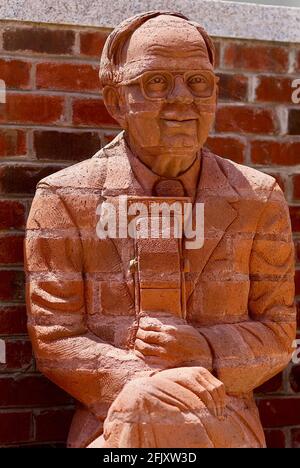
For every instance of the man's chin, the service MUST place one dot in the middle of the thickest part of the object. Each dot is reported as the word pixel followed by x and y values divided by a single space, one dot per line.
pixel 180 143
pixel 175 152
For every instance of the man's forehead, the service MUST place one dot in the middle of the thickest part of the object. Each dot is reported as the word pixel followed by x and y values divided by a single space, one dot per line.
pixel 166 37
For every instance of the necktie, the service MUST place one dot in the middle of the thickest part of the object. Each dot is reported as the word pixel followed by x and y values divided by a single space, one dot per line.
pixel 169 188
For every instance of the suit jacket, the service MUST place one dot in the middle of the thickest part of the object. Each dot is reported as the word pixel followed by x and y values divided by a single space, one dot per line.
pixel 80 294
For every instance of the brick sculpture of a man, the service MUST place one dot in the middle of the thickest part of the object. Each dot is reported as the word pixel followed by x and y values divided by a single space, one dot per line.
pixel 145 374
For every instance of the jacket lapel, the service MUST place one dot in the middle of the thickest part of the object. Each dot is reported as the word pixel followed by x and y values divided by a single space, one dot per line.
pixel 120 178
pixel 215 191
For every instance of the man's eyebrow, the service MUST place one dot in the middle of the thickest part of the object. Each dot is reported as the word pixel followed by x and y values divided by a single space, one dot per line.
pixel 190 50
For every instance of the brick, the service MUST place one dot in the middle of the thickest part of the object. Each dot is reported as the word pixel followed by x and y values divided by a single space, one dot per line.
pixel 66 146
pixel 23 178
pixel 298 61
pixel 11 249
pixel 279 178
pixel 298 313
pixel 168 300
pixel 233 87
pixel 92 43
pixel 11 286
pixel 12 142
pixel 15 427
pixel 297 64
pixel 227 147
pixel 295 378
pixel 13 320
pixel 294 122
pixel 69 77
pixel 295 433
pixel 275 438
pixel 274 89
pixel 18 355
pixel 150 264
pixel 53 425
pixel 256 57
pixel 32 108
pixel 92 112
pixel 217 53
pixel 246 120
pixel 279 412
pixel 296 186
pixel 34 391
pixel 272 385
pixel 109 137
pixel 297 282
pixel 275 152
pixel 39 39
pixel 297 249
pixel 12 214
pixel 15 73
pixel 109 303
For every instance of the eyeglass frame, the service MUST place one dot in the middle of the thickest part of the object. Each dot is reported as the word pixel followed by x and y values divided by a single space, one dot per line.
pixel 138 80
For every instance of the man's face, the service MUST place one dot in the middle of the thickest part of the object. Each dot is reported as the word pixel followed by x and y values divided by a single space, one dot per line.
pixel 170 95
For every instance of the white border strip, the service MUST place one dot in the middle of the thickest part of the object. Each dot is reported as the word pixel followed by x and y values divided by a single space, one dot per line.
pixel 223 19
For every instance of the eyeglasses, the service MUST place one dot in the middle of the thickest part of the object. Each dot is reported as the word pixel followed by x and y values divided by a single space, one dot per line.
pixel 158 84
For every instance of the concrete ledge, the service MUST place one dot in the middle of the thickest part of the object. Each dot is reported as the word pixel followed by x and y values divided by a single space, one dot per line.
pixel 223 19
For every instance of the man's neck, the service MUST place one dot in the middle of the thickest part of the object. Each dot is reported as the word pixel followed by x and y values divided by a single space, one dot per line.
pixel 168 164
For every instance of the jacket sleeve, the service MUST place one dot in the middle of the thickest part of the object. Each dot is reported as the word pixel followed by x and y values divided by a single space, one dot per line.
pixel 249 353
pixel 89 369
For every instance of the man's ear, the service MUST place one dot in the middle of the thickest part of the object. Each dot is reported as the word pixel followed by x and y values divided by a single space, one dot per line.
pixel 113 103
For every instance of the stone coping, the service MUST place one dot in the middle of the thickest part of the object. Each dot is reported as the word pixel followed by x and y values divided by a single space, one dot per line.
pixel 222 19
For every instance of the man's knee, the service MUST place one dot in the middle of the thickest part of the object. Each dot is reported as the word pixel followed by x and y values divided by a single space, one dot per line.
pixel 132 397
pixel 158 397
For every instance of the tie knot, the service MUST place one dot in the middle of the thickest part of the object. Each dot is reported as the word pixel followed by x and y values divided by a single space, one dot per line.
pixel 169 188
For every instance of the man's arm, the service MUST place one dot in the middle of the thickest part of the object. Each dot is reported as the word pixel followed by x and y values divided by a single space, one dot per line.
pixel 91 370
pixel 241 355
pixel 247 354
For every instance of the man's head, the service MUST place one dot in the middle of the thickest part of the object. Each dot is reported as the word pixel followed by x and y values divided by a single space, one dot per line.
pixel 158 82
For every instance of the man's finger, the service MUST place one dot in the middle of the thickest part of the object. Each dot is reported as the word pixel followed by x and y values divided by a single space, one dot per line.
pixel 149 349
pixel 152 326
pixel 219 388
pixel 207 399
pixel 218 398
pixel 153 337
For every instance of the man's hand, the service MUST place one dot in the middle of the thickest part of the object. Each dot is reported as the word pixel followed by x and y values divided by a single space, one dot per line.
pixel 203 384
pixel 169 342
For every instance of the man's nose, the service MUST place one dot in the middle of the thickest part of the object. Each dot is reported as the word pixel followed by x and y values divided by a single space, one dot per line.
pixel 180 92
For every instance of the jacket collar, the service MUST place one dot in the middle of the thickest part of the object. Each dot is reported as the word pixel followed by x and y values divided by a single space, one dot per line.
pixel 120 177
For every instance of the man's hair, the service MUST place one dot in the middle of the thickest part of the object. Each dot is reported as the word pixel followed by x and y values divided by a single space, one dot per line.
pixel 110 70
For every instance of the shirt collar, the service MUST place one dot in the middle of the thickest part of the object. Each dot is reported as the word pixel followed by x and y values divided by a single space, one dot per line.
pixel 148 178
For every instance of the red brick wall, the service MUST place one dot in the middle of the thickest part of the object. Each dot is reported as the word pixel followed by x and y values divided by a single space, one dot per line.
pixel 54 116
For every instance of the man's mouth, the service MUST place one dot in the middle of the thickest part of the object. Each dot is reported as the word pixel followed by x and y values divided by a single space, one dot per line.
pixel 178 122
pixel 179 119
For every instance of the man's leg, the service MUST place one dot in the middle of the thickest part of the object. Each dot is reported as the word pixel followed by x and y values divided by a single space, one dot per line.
pixel 156 412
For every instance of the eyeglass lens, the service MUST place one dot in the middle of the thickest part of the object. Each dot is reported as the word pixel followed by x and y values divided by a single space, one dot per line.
pixel 160 84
